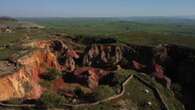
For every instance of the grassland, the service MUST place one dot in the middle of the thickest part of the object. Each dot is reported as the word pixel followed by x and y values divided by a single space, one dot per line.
pixel 138 32
pixel 141 32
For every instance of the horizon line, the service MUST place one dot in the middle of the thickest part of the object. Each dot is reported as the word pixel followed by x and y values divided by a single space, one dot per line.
pixel 97 16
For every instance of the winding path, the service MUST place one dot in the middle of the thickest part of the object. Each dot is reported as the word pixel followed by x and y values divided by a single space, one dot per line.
pixel 123 89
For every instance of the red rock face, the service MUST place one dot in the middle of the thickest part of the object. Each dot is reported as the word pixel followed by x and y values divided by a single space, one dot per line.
pixel 69 64
pixel 66 54
pixel 137 65
pixel 162 61
pixel 103 55
pixel 158 71
pixel 68 89
pixel 72 53
pixel 92 75
pixel 23 83
pixel 42 43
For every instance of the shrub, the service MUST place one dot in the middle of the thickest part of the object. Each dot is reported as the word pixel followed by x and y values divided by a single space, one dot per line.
pixel 177 90
pixel 51 99
pixel 103 91
pixel 79 92
pixel 52 74
pixel 15 101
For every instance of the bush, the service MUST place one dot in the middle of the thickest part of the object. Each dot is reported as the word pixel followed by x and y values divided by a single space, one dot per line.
pixel 52 74
pixel 51 99
pixel 103 91
pixel 79 93
pixel 177 90
pixel 15 101
pixel 45 83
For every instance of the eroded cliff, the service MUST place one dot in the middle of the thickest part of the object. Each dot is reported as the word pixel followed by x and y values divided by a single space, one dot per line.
pixel 23 82
pixel 86 68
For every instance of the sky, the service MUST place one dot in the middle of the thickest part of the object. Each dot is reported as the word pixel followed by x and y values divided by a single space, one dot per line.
pixel 96 8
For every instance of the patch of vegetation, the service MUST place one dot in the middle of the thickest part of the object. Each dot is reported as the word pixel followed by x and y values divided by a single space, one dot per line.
pixel 170 99
pixel 102 106
pixel 136 92
pixel 129 31
pixel 52 74
pixel 48 76
pixel 79 92
pixel 177 90
pixel 45 83
pixel 172 102
pixel 103 91
pixel 51 99
pixel 15 101
pixel 5 53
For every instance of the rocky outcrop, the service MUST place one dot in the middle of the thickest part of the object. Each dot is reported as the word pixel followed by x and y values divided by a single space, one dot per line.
pixel 178 62
pixel 103 55
pixel 23 82
pixel 170 62
pixel 90 76
pixel 85 78
pixel 67 88
pixel 163 62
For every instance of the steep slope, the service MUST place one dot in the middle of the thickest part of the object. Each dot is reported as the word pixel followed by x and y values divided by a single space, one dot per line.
pixel 23 82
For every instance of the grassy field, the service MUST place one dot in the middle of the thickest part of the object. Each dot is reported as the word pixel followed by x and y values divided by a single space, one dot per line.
pixel 139 32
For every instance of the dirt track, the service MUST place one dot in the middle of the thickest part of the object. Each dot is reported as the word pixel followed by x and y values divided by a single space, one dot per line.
pixel 79 105
pixel 123 90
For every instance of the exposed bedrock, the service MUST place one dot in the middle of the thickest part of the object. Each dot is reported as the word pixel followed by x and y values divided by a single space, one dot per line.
pixel 177 62
pixel 89 67
pixel 23 82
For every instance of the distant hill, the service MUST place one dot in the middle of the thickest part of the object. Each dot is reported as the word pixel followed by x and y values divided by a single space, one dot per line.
pixel 111 26
pixel 162 20
pixel 15 23
pixel 149 20
pixel 24 24
pixel 4 18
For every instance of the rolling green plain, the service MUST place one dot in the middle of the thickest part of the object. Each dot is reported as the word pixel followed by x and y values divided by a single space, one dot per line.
pixel 140 31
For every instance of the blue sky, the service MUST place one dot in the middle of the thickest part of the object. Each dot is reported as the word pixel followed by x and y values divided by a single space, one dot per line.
pixel 96 8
